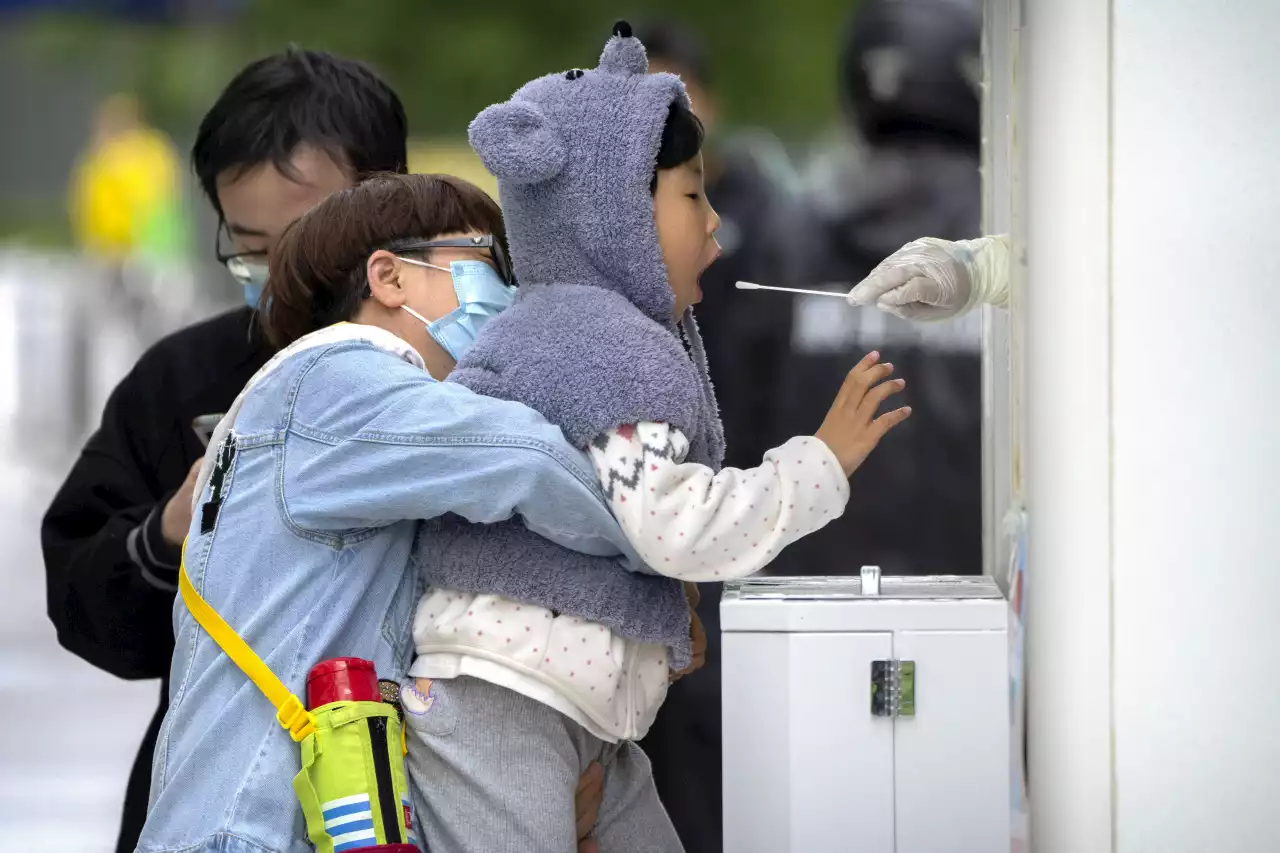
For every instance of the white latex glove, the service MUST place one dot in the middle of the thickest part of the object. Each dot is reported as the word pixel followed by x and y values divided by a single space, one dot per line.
pixel 931 279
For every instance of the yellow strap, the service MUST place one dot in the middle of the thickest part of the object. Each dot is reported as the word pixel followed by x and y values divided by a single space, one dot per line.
pixel 289 711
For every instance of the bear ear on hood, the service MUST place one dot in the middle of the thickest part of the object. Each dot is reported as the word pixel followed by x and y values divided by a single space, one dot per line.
pixel 517 143
pixel 623 53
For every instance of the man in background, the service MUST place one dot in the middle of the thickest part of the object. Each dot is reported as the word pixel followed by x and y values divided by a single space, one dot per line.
pixel 910 73
pixel 286 132
pixel 750 184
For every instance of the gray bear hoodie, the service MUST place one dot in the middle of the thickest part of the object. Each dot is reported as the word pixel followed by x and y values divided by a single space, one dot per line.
pixel 591 340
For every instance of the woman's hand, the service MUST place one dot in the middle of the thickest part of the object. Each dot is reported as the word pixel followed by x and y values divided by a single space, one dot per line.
pixel 586 802
pixel 697 634
pixel 851 428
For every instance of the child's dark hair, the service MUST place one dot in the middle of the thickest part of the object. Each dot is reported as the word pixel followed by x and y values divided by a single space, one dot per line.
pixel 681 139
pixel 317 275
pixel 301 96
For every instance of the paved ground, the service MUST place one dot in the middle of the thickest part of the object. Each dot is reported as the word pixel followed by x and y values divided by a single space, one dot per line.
pixel 72 730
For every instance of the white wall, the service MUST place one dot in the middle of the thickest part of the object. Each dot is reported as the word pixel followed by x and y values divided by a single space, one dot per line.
pixel 1153 246
pixel 1068 425
pixel 1196 400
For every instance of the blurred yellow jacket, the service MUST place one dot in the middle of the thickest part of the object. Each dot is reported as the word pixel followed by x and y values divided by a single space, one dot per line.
pixel 125 195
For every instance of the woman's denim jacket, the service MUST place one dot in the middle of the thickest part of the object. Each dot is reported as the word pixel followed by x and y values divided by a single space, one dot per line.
pixel 306 554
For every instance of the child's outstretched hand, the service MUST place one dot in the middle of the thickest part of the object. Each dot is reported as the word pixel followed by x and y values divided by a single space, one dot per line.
pixel 851 428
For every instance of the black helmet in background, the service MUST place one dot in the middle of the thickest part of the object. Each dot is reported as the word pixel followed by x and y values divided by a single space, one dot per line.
pixel 912 68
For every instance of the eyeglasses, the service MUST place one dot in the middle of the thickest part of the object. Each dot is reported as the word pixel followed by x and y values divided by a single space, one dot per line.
pixel 485 241
pixel 240 264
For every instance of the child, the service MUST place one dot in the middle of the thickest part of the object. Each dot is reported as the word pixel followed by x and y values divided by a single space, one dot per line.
pixel 600 174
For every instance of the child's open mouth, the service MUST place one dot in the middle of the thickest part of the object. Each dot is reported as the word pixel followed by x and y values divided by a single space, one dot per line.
pixel 714 257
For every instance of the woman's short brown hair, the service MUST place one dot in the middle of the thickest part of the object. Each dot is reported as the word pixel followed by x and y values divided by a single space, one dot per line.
pixel 317 276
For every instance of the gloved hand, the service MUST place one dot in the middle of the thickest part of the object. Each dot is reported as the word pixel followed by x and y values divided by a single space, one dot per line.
pixel 930 279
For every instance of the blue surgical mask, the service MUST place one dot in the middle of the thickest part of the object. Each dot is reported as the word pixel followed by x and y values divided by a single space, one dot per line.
pixel 252 277
pixel 253 294
pixel 481 295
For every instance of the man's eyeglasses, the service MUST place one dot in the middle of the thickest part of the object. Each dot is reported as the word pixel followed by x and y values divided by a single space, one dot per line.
pixel 486 241
pixel 241 265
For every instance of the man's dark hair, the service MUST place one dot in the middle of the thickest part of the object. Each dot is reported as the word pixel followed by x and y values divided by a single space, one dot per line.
pixel 682 137
pixel 301 96
pixel 677 47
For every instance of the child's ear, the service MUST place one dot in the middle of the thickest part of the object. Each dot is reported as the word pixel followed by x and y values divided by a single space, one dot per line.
pixel 517 143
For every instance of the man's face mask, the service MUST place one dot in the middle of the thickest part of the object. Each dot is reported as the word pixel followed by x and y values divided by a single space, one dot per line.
pixel 252 277
pixel 247 268
pixel 482 294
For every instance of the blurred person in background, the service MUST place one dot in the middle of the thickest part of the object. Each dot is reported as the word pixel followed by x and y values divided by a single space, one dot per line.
pixel 286 132
pixel 910 72
pixel 126 195
pixel 128 216
pixel 746 339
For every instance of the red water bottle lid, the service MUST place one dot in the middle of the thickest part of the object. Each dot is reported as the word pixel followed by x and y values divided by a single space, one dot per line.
pixel 342 680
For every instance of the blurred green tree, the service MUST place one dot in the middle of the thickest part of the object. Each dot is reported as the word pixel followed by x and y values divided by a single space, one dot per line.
pixel 774 62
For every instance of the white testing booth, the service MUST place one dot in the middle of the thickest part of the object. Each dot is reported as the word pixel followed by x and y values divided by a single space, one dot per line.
pixel 1133 397
pixel 872 715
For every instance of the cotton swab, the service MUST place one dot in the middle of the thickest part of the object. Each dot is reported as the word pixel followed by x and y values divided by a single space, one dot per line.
pixel 746 285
